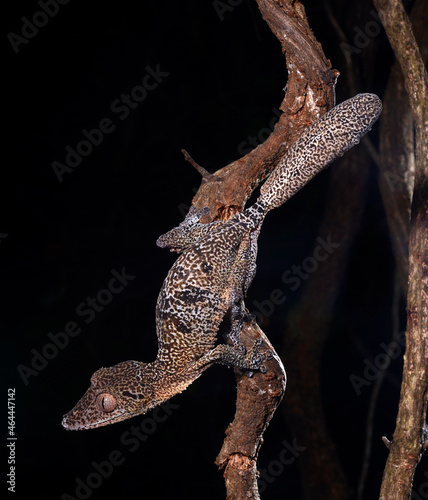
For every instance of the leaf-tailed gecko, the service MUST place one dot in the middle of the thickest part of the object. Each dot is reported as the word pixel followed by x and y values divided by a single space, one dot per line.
pixel 203 293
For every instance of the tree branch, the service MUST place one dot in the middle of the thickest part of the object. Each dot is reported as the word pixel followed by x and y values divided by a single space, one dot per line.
pixel 407 445
pixel 310 93
pixel 397 165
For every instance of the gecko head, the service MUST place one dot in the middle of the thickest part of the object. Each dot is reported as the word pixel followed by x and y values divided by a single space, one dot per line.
pixel 116 393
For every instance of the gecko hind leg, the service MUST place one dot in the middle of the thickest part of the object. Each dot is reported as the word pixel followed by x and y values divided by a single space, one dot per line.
pixel 242 277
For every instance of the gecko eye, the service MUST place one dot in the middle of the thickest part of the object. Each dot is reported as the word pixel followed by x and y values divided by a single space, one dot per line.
pixel 106 402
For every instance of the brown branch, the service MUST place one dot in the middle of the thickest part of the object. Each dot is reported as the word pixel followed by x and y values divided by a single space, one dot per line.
pixel 407 444
pixel 397 166
pixel 257 399
pixel 204 173
pixel 310 93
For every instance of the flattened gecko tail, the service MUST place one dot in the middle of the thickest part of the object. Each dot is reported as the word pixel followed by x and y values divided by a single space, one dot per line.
pixel 329 137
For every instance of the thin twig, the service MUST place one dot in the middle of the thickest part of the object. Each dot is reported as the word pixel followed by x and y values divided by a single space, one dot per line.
pixel 386 442
pixel 205 174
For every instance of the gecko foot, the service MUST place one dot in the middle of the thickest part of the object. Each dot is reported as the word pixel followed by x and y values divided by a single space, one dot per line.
pixel 255 358
pixel 228 355
pixel 238 345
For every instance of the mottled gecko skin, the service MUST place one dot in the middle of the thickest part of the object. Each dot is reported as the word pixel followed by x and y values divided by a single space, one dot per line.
pixel 204 291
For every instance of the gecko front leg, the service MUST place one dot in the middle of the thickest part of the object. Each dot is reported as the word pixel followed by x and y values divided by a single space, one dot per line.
pixel 227 355
pixel 188 232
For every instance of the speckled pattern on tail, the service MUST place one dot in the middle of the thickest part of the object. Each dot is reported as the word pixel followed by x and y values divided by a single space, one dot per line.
pixel 329 137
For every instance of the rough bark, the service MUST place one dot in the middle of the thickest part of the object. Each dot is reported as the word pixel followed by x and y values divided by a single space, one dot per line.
pixel 408 440
pixel 257 399
pixel 397 152
pixel 310 93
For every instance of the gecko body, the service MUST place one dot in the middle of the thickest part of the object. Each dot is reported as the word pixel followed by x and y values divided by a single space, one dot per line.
pixel 203 293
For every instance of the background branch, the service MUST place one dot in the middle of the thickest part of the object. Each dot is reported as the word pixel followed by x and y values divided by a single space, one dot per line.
pixel 406 448
pixel 397 148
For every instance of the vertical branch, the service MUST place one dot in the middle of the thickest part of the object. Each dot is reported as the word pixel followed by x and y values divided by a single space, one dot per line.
pixel 408 440
pixel 310 93
pixel 397 153
pixel 397 156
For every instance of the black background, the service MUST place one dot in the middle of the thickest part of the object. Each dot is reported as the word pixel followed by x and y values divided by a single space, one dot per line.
pixel 225 80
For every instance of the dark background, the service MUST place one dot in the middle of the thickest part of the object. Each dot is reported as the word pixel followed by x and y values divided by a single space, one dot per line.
pixel 226 78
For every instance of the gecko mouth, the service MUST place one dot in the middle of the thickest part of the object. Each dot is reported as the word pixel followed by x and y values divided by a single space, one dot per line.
pixel 70 423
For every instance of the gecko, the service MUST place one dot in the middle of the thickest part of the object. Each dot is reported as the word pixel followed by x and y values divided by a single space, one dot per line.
pixel 202 297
